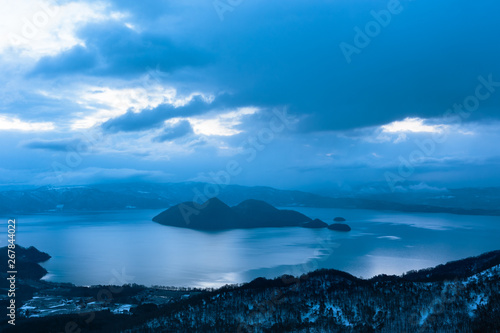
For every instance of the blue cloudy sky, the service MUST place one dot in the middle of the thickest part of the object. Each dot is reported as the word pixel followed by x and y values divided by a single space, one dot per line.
pixel 293 94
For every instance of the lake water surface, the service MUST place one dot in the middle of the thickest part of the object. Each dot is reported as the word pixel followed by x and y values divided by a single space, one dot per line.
pixel 127 247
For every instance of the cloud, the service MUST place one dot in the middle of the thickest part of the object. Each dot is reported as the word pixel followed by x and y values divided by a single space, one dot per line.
pixel 174 131
pixel 154 118
pixel 263 58
pixel 402 130
pixel 105 103
pixel 113 49
pixel 76 60
pixel 55 145
pixel 222 124
pixel 202 118
pixel 37 28
pixel 414 125
pixel 302 68
pixel 90 68
pixel 10 123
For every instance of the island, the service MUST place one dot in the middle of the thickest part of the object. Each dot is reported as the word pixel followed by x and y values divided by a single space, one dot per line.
pixel 339 227
pixel 339 219
pixel 216 215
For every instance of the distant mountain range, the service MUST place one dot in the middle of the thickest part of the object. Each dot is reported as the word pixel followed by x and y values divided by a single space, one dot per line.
pixel 102 197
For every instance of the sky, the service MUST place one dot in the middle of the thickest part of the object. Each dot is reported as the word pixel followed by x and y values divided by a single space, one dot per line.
pixel 292 94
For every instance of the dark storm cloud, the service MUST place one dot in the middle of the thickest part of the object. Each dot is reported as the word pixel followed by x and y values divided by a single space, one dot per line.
pixel 422 63
pixel 114 50
pixel 426 58
pixel 264 54
pixel 154 118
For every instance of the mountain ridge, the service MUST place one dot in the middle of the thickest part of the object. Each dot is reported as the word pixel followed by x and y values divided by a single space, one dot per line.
pixel 101 197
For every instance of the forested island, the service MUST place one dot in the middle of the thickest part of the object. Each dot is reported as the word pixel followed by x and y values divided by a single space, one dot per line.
pixel 216 215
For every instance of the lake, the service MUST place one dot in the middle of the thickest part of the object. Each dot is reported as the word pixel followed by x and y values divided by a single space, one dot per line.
pixel 127 247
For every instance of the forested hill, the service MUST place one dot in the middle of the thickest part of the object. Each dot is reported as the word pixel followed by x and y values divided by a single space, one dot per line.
pixel 334 301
